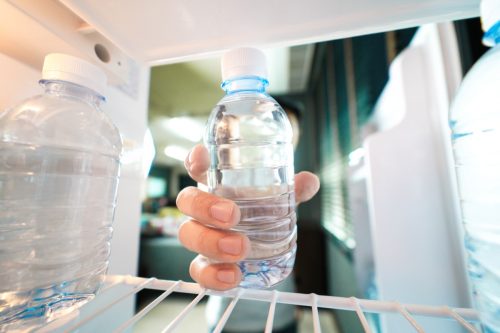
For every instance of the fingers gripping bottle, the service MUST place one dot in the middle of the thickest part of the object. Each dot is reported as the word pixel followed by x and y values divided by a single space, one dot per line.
pixel 59 165
pixel 475 123
pixel 249 139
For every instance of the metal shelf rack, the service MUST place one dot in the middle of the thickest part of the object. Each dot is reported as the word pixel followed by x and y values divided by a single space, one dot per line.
pixel 71 322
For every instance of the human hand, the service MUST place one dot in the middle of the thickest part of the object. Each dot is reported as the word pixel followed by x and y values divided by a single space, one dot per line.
pixel 223 247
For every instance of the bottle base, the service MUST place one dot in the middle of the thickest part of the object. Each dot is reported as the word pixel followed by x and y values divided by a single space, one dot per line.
pixel 38 307
pixel 265 273
pixel 37 316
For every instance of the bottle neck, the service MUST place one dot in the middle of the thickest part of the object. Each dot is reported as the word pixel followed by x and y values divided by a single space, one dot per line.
pixel 68 89
pixel 245 84
pixel 492 36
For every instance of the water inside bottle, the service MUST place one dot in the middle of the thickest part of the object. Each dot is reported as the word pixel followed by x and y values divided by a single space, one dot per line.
pixel 477 157
pixel 268 218
pixel 55 230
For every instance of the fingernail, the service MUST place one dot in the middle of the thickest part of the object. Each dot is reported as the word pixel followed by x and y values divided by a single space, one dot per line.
pixel 226 276
pixel 230 245
pixel 222 211
pixel 190 157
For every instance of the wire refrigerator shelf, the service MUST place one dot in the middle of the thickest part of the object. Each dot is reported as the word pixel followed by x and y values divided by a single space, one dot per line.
pixel 133 285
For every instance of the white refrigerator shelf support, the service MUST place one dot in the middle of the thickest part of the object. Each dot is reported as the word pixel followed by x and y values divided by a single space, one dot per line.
pixel 133 285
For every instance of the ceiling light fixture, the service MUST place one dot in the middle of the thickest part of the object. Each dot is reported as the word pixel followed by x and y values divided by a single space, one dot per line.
pixel 186 128
pixel 176 152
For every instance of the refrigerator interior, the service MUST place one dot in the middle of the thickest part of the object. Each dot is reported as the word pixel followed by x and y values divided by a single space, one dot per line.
pixel 134 35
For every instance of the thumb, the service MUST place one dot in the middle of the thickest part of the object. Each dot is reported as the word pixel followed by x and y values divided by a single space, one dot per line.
pixel 197 163
pixel 306 186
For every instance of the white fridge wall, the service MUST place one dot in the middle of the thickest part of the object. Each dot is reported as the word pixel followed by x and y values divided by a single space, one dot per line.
pixel 416 227
pixel 19 82
pixel 130 116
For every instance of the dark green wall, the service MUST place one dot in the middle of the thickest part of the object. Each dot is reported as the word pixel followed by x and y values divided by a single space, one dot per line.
pixel 161 172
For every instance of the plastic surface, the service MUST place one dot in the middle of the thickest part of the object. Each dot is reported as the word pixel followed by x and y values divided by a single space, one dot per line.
pixel 244 61
pixel 59 166
pixel 490 13
pixel 67 68
pixel 249 139
pixel 475 122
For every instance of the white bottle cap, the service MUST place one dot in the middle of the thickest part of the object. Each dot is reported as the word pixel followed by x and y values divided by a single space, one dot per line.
pixel 58 66
pixel 244 61
pixel 490 13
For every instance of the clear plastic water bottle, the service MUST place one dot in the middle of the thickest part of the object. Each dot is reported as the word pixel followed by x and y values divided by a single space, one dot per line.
pixel 249 139
pixel 59 166
pixel 475 123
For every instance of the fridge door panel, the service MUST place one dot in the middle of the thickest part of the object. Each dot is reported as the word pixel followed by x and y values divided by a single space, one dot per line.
pixel 416 227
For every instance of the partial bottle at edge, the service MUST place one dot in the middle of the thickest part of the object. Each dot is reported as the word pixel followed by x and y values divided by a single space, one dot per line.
pixel 249 139
pixel 59 166
pixel 475 123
